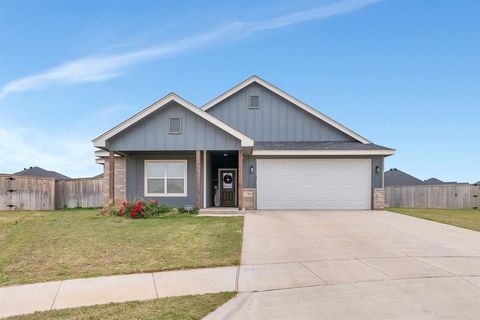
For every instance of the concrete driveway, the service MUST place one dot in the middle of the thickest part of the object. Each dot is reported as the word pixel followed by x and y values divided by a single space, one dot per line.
pixel 354 265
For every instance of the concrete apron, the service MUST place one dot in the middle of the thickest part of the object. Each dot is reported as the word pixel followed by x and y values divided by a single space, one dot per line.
pixel 371 271
pixel 16 300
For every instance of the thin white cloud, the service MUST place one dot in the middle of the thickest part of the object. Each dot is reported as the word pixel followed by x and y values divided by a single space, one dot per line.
pixel 101 68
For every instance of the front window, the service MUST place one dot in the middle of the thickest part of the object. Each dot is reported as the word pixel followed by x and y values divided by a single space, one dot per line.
pixel 166 178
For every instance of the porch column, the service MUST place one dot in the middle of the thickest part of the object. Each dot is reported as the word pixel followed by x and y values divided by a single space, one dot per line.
pixel 197 179
pixel 240 179
pixel 111 178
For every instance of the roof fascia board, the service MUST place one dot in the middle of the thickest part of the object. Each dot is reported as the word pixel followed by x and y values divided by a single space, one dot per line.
pixel 101 140
pixel 289 98
pixel 322 152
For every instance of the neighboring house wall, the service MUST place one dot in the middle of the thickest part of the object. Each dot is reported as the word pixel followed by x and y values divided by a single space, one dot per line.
pixel 136 177
pixel 275 120
pixel 152 133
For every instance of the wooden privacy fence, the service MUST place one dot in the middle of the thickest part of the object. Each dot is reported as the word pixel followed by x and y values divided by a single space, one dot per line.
pixel 79 193
pixel 40 193
pixel 26 193
pixel 454 196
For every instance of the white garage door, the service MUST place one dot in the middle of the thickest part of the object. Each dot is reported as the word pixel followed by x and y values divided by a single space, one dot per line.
pixel 313 183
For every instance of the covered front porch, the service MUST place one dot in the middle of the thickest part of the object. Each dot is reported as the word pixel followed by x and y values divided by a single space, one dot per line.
pixel 200 178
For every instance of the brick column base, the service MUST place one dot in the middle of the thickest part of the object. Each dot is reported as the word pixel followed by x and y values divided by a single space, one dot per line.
pixel 378 199
pixel 120 181
pixel 249 198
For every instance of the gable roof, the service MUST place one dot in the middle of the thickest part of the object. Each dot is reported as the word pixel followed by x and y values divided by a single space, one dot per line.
pixel 40 172
pixel 395 177
pixel 287 97
pixel 100 141
pixel 433 181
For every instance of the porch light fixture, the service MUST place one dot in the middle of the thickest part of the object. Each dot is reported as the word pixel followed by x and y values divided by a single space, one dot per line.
pixel 377 169
pixel 251 169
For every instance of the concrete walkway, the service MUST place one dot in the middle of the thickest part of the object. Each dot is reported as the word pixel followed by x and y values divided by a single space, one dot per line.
pixel 15 300
pixel 354 265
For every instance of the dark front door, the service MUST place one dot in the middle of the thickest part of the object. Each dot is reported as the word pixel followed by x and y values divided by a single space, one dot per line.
pixel 228 187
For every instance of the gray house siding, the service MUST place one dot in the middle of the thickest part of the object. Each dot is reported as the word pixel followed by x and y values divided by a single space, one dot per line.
pixel 250 179
pixel 276 120
pixel 152 133
pixel 135 174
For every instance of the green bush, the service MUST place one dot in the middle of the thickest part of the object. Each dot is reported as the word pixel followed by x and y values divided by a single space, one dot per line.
pixel 188 209
pixel 148 209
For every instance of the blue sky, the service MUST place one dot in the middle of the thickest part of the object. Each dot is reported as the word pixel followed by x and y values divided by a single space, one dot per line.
pixel 402 73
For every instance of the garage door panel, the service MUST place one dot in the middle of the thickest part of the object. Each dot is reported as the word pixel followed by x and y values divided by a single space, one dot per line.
pixel 313 183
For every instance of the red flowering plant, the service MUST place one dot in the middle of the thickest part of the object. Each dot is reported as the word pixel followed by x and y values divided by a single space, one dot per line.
pixel 146 209
pixel 142 209
pixel 138 210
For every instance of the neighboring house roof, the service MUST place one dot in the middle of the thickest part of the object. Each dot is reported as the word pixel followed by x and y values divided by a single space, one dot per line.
pixel 40 172
pixel 98 176
pixel 434 181
pixel 100 142
pixel 289 98
pixel 478 182
pixel 395 177
pixel 319 148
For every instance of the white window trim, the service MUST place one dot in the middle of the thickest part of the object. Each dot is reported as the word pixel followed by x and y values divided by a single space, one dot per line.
pixel 170 125
pixel 185 176
pixel 250 102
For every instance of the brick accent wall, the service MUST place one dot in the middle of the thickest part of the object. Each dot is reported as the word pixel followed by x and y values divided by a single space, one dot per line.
pixel 120 181
pixel 249 198
pixel 378 199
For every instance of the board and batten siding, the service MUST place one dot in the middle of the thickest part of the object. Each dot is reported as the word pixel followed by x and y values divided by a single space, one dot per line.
pixel 135 174
pixel 152 133
pixel 276 120
pixel 250 179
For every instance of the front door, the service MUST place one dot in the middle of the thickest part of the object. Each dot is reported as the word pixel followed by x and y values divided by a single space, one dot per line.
pixel 228 187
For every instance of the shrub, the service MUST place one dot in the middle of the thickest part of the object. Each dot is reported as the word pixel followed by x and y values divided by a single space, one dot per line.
pixel 188 209
pixel 147 209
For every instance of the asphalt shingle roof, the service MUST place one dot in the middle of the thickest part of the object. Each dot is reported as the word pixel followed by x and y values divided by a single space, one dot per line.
pixel 40 172
pixel 395 177
pixel 316 145
pixel 434 181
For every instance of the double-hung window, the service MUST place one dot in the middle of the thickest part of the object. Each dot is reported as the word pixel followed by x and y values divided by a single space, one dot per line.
pixel 166 178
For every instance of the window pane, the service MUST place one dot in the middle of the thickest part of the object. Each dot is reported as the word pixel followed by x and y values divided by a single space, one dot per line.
pixel 175 125
pixel 155 169
pixel 175 186
pixel 254 102
pixel 176 169
pixel 156 186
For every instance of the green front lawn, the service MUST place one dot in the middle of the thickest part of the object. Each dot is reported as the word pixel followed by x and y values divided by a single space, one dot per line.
pixel 52 245
pixel 187 307
pixel 464 218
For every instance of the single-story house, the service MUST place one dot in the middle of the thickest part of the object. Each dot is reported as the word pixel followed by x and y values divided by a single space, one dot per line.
pixel 253 147
pixel 40 172
pixel 395 177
